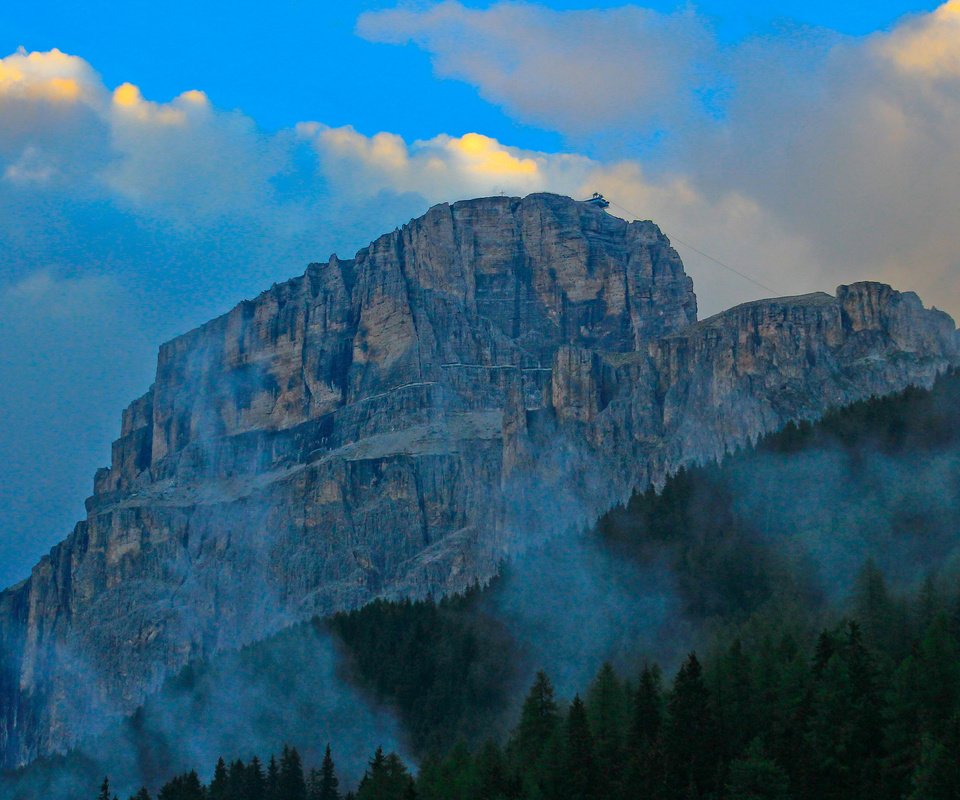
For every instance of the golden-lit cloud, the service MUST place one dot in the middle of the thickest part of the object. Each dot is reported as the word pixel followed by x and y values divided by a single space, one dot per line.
pixel 927 45
pixel 444 167
pixel 127 95
pixel 832 161
pixel 183 159
pixel 52 76
pixel 844 150
pixel 127 99
pixel 487 157
pixel 195 96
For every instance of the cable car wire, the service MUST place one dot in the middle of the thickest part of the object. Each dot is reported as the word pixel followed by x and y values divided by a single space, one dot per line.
pixel 697 250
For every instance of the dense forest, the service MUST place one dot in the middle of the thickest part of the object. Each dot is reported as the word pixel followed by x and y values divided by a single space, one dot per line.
pixel 814 573
pixel 864 709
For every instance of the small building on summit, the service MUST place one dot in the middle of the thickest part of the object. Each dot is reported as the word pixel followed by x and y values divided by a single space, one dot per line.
pixel 598 200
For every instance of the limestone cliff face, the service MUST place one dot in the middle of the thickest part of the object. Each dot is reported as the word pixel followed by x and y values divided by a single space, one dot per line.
pixel 394 424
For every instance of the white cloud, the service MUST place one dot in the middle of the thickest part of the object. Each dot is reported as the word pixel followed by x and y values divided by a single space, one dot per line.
pixel 30 167
pixel 183 159
pixel 442 168
pixel 448 168
pixel 51 76
pixel 577 71
pixel 187 159
pixel 829 159
pixel 928 45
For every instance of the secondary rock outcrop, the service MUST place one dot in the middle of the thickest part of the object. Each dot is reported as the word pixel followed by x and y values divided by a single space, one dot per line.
pixel 397 423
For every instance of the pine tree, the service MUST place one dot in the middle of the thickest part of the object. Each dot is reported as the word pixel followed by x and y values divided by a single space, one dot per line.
pixel 453 777
pixel 929 603
pixel 937 776
pixel 647 708
pixel 535 751
pixel 938 658
pixel 386 778
pixel 237 781
pixel 903 727
pixel 690 736
pixel 313 784
pixel 734 700
pixel 183 787
pixel 491 772
pixel 104 790
pixel 755 776
pixel 538 720
pixel 142 794
pixel 271 788
pixel 606 710
pixel 327 783
pixel 218 786
pixel 290 782
pixel 873 606
pixel 867 721
pixel 844 728
pixel 580 765
pixel 645 767
pixel 255 783
pixel 192 788
pixel 411 791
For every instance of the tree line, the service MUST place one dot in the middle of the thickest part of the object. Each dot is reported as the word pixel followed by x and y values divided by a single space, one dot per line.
pixel 865 709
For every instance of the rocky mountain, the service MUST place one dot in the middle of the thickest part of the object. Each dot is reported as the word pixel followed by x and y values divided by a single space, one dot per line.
pixel 481 379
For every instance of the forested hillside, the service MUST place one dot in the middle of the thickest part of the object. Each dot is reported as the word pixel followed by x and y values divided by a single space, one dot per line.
pixel 814 574
pixel 864 709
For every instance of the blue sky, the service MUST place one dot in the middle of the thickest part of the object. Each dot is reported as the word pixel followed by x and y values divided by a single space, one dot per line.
pixel 291 60
pixel 159 163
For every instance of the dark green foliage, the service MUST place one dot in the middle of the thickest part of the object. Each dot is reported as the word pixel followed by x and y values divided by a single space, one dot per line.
pixel 492 777
pixel 774 712
pixel 386 779
pixel 691 735
pixel 755 776
pixel 644 766
pixel 937 776
pixel 324 784
pixel 255 783
pixel 290 781
pixel 580 770
pixel 219 786
pixel 272 781
pixel 440 665
pixel 183 787
pixel 609 706
pixel 237 780
pixel 791 699
pixel 539 719
pixel 647 708
pixel 796 515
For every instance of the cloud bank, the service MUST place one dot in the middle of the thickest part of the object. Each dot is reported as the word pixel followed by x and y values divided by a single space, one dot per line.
pixel 576 71
pixel 843 150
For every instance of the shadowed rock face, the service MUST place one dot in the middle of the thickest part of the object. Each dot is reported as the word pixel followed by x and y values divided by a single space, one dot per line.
pixel 489 375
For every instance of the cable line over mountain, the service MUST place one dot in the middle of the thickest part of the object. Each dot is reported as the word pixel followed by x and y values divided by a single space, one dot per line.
pixel 697 250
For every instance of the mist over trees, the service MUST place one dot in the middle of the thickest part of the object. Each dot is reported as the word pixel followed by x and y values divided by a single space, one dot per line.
pixel 868 707
pixel 810 650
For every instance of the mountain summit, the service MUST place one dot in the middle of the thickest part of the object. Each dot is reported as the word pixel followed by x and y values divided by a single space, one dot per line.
pixel 489 375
